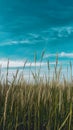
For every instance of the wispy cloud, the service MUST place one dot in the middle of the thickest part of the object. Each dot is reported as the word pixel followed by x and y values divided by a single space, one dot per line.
pixel 16 42
pixel 3 63
pixel 58 32
pixel 50 34
pixel 62 54
pixel 34 35
pixel 20 63
pixel 63 31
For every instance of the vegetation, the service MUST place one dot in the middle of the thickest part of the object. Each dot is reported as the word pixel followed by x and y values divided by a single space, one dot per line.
pixel 36 106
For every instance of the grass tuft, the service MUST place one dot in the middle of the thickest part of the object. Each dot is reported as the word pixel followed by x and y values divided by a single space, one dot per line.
pixel 39 105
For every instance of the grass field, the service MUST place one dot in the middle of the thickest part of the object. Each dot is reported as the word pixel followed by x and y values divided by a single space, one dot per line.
pixel 36 106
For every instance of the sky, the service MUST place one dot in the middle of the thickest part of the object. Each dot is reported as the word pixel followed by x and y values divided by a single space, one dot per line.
pixel 31 26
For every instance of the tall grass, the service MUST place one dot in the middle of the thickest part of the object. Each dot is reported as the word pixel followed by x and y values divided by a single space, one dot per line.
pixel 39 105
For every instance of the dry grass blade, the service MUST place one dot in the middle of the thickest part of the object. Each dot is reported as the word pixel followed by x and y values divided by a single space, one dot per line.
pixel 37 105
pixel 5 108
pixel 7 72
pixel 70 113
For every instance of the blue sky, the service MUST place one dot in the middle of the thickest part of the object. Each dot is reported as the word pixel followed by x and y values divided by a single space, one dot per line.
pixel 29 26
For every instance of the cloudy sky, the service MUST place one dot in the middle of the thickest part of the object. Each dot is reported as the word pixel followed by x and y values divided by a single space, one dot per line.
pixel 29 26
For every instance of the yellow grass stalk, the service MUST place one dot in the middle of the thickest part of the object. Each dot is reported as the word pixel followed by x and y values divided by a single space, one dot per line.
pixel 5 108
pixel 64 122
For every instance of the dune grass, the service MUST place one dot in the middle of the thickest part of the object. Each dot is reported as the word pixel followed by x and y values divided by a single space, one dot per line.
pixel 36 106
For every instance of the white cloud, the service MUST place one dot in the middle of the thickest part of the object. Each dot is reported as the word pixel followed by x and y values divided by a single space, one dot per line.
pixel 58 32
pixel 46 36
pixel 15 42
pixel 33 35
pixel 25 41
pixel 62 54
pixel 3 63
pixel 20 63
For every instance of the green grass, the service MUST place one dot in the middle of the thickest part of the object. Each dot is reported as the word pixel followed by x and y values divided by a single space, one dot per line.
pixel 36 106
